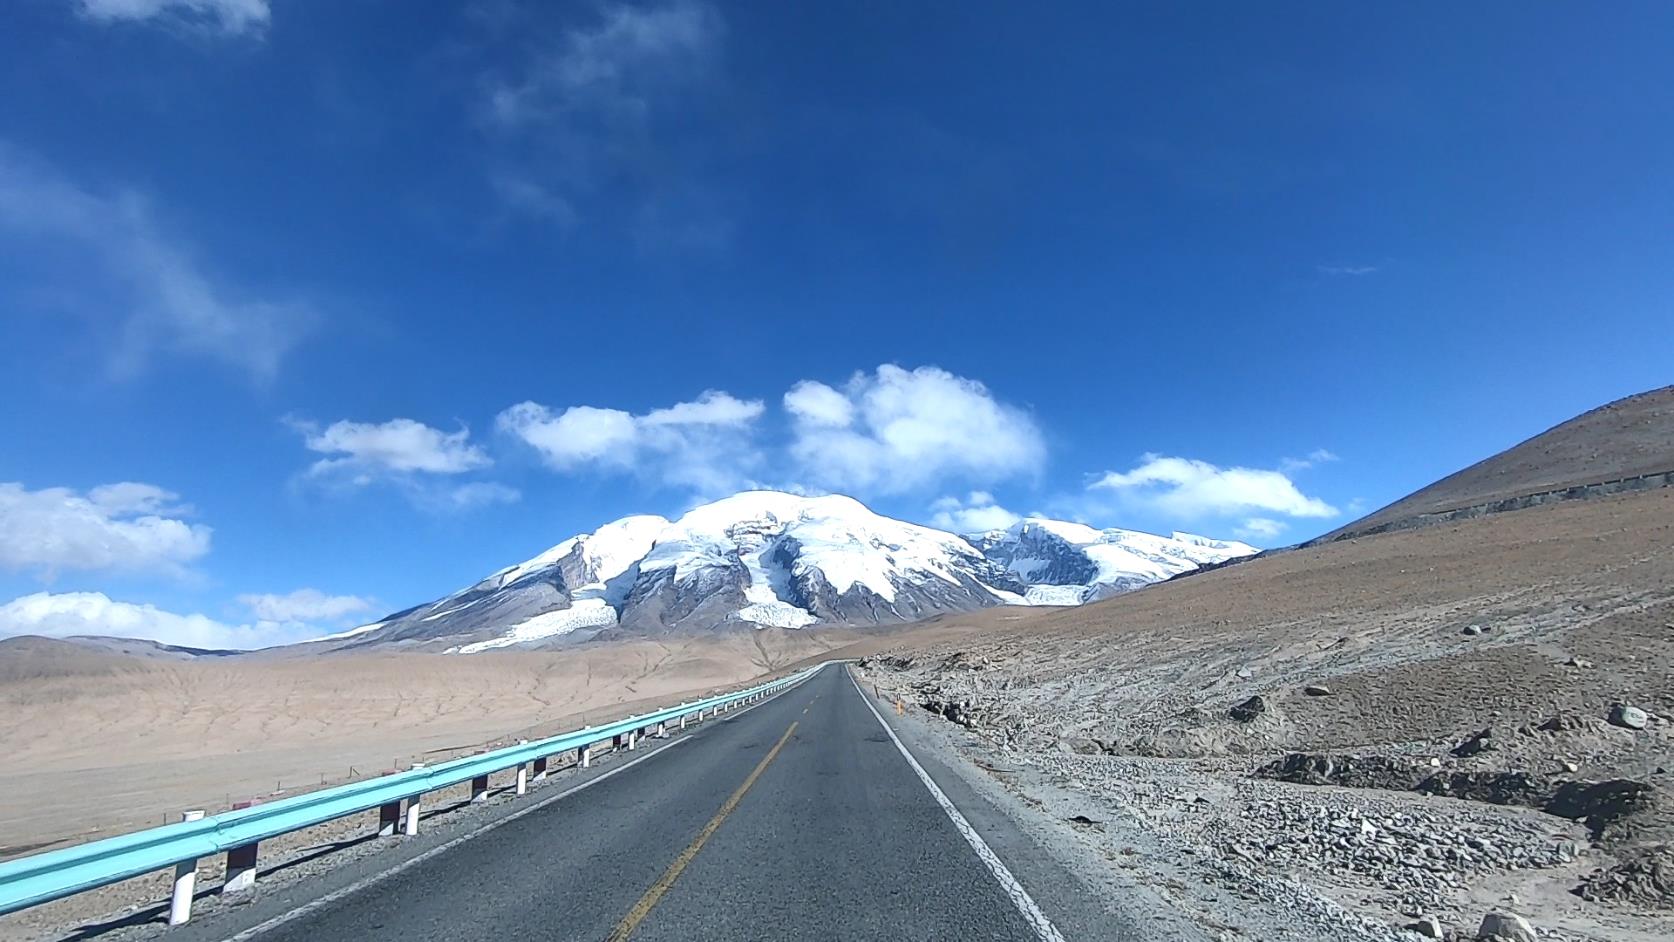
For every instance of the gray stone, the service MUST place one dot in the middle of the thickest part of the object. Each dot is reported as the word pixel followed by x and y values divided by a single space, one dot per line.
pixel 1427 926
pixel 1628 717
pixel 1321 690
pixel 1479 742
pixel 1249 709
pixel 1473 630
pixel 1506 927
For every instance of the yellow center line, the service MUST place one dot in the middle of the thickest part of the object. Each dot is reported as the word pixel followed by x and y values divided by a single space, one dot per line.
pixel 641 909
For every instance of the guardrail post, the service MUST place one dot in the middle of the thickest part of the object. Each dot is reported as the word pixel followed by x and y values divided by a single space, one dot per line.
pixel 411 824
pixel 540 768
pixel 584 756
pixel 662 730
pixel 389 818
pixel 633 740
pixel 241 870
pixel 479 788
pixel 185 881
pixel 682 721
pixel 523 778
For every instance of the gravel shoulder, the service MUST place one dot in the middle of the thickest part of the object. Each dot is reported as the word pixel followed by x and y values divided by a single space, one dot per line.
pixel 1447 722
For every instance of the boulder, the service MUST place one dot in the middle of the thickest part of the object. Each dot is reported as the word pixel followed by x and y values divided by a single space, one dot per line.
pixel 1317 690
pixel 1473 630
pixel 1506 927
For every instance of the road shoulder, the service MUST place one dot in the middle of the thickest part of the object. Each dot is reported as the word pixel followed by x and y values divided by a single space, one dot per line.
pixel 1084 896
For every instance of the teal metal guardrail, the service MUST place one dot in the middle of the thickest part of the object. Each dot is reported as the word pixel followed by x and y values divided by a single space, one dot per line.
pixel 40 878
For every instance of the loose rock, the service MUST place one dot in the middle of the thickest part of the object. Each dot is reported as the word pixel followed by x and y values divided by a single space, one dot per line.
pixel 1478 742
pixel 1628 717
pixel 1427 926
pixel 1248 710
pixel 1321 690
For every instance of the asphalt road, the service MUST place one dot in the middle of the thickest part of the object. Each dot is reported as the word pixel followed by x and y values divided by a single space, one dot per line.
pixel 797 819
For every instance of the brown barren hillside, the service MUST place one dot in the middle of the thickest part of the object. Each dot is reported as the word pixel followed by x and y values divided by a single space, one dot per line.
pixel 1627 438
pixel 1521 662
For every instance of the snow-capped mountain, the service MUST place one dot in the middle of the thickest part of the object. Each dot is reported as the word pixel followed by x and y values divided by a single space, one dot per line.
pixel 773 560
pixel 1069 563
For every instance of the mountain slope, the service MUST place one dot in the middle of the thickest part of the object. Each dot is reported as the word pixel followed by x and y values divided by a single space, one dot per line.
pixel 767 559
pixel 1623 439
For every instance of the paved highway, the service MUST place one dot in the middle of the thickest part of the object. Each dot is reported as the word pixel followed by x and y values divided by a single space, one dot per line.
pixel 801 818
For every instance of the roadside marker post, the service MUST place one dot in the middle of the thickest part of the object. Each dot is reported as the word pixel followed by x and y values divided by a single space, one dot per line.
pixel 185 881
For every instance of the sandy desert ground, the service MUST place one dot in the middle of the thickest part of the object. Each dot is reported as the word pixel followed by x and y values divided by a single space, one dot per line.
pixel 96 744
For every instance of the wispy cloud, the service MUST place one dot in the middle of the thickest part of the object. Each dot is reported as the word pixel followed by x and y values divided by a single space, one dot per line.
pixel 140 287
pixel 1260 528
pixel 304 605
pixel 232 17
pixel 1318 456
pixel 408 454
pixel 1348 270
pixel 591 123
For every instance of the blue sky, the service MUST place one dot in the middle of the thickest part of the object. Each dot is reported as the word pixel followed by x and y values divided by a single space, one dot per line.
pixel 314 310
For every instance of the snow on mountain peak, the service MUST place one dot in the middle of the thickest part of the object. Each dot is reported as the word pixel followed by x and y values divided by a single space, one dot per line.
pixel 773 559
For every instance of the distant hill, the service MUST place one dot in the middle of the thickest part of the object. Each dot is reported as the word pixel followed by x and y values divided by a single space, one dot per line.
pixel 1629 438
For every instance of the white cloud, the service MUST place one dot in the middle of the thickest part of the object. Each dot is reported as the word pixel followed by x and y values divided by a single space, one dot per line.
pixel 1260 528
pixel 404 453
pixel 976 513
pixel 1192 488
pixel 93 613
pixel 706 444
pixel 228 16
pixel 366 450
pixel 819 406
pixel 141 291
pixel 899 430
pixel 1349 270
pixel 303 605
pixel 118 527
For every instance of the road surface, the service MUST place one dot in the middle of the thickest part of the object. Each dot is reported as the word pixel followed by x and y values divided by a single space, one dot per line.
pixel 801 818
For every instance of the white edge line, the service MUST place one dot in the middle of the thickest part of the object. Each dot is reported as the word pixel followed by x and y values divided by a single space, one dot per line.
pixel 379 877
pixel 364 882
pixel 1044 929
